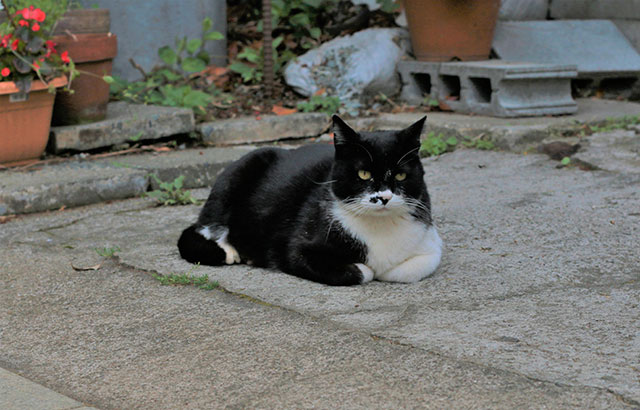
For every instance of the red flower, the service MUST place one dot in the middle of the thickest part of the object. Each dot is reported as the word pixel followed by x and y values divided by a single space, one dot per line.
pixel 14 45
pixel 23 23
pixel 36 65
pixel 65 57
pixel 38 15
pixel 35 27
pixel 5 40
pixel 5 72
pixel 33 14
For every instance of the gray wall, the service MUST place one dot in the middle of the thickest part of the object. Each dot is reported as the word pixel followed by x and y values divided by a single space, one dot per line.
pixel 143 26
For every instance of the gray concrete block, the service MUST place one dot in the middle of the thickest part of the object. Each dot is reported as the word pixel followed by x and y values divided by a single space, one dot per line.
pixel 596 47
pixel 266 128
pixel 18 393
pixel 124 121
pixel 595 9
pixel 507 89
pixel 631 30
pixel 523 9
pixel 164 20
pixel 419 80
pixel 492 87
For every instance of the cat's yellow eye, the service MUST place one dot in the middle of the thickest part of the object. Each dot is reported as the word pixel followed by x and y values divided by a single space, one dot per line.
pixel 401 176
pixel 364 175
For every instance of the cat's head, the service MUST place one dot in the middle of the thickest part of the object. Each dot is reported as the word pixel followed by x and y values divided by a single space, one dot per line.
pixel 379 173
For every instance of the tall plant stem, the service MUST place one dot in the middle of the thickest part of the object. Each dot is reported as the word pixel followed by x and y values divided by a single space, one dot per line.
pixel 267 48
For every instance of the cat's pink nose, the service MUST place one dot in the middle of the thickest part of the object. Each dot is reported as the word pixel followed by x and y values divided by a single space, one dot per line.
pixel 385 195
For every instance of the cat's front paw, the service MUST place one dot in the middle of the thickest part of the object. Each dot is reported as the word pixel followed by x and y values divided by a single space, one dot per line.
pixel 367 273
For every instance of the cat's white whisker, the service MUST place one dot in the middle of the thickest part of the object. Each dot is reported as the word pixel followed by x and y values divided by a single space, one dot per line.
pixel 408 153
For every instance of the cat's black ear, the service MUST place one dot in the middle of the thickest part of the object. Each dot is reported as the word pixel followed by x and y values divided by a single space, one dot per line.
pixel 342 133
pixel 411 134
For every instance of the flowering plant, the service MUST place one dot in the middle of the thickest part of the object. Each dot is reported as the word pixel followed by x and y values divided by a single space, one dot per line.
pixel 27 51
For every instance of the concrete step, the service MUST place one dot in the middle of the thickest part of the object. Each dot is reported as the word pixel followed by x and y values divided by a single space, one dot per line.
pixel 596 47
pixel 492 87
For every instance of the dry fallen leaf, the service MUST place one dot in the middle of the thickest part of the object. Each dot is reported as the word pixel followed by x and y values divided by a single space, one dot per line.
pixel 280 110
pixel 81 269
pixel 320 91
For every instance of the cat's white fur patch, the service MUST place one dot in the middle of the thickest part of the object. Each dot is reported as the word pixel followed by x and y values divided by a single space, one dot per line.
pixel 219 235
pixel 367 273
pixel 399 248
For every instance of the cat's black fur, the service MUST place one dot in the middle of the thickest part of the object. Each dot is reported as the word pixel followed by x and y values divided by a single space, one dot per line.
pixel 276 203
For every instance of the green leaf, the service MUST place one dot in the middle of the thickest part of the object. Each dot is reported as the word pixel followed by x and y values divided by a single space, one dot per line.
pixel 206 24
pixel 565 161
pixel 196 98
pixel 194 45
pixel 452 141
pixel 192 64
pixel 277 41
pixel 108 79
pixel 249 54
pixel 300 19
pixel 167 55
pixel 213 35
pixel 313 3
pixel 204 56
pixel 177 183
pixel 315 32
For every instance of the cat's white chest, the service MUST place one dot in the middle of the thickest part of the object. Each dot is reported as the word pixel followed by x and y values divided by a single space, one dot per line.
pixel 390 241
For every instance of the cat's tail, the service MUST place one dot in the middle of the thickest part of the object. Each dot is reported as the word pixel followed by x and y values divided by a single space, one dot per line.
pixel 195 248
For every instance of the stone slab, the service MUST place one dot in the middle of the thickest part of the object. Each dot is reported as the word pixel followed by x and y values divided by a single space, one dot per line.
pixel 529 308
pixel 264 128
pixel 124 122
pixel 631 30
pixel 596 47
pixel 616 151
pixel 595 9
pixel 79 182
pixel 523 9
pixel 18 393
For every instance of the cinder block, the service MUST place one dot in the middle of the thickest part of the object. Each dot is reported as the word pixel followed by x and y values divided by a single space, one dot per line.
pixel 594 9
pixel 507 89
pixel 596 47
pixel 523 9
pixel 492 87
pixel 419 79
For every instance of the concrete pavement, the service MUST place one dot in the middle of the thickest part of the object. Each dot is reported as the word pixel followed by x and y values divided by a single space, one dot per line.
pixel 534 306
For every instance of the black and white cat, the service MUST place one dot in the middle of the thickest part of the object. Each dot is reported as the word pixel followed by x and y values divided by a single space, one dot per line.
pixel 340 216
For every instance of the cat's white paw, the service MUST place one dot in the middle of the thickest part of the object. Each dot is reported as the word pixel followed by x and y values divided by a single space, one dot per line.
pixel 232 255
pixel 367 273
pixel 412 270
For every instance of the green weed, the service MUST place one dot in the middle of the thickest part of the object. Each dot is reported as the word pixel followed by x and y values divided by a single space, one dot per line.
pixel 437 144
pixel 107 252
pixel 320 103
pixel 172 193
pixel 187 279
pixel 169 84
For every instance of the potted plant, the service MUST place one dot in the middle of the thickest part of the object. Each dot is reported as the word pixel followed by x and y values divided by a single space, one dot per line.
pixel 85 34
pixel 444 30
pixel 30 71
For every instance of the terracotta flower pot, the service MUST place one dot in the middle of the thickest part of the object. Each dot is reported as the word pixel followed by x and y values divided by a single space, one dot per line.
pixel 25 121
pixel 444 30
pixel 91 53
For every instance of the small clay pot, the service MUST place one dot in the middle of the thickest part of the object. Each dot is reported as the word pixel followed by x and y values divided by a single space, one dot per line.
pixel 445 30
pixel 93 55
pixel 25 121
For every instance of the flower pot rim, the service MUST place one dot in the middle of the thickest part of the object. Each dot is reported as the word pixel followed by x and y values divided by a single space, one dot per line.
pixel 10 87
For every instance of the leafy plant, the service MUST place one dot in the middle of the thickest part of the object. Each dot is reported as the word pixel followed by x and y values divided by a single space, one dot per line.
pixel 434 145
pixel 249 62
pixel 321 103
pixel 107 252
pixel 565 161
pixel 26 47
pixel 170 84
pixel 478 143
pixel 172 193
